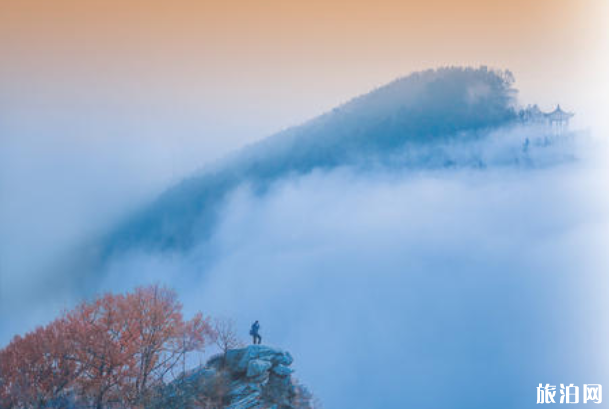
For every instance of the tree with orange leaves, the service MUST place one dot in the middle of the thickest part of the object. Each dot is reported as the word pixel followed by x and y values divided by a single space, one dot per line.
pixel 107 353
pixel 98 334
pixel 36 369
pixel 161 337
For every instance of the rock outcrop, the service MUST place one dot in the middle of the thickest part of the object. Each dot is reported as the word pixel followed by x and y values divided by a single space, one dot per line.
pixel 255 377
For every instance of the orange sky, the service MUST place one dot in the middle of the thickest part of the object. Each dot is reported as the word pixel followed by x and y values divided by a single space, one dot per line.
pixel 273 63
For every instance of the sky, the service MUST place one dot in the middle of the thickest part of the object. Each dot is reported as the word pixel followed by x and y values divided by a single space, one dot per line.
pixel 189 81
pixel 148 65
pixel 104 104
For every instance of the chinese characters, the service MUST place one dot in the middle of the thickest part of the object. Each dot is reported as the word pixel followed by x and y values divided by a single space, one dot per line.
pixel 569 394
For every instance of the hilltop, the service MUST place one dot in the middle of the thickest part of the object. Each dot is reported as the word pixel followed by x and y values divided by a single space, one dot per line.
pixel 422 109
pixel 133 351
pixel 255 377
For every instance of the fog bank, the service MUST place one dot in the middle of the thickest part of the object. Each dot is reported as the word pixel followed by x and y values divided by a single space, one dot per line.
pixel 431 288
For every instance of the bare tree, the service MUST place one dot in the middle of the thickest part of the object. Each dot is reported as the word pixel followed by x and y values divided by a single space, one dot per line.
pixel 225 336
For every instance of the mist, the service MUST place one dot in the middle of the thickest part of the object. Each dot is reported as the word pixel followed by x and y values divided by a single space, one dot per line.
pixel 69 176
pixel 462 272
pixel 428 288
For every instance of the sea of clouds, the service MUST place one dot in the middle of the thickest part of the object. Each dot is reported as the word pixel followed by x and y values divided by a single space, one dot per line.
pixel 465 286
pixel 460 285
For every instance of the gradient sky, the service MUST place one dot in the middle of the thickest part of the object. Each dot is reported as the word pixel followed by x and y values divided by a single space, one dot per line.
pixel 235 71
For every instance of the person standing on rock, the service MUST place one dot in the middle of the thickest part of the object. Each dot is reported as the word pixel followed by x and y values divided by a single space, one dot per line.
pixel 254 332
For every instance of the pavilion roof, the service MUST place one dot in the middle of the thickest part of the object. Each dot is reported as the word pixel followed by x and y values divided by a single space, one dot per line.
pixel 558 114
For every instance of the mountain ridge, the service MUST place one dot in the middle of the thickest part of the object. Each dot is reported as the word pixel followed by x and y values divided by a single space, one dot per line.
pixel 423 108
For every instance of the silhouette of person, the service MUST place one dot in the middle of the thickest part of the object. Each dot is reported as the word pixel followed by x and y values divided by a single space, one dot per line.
pixel 254 332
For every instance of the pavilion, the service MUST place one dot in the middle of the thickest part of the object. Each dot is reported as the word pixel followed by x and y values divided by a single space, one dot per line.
pixel 559 119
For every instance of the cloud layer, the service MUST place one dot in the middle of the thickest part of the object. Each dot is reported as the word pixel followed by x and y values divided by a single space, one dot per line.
pixel 404 247
pixel 427 288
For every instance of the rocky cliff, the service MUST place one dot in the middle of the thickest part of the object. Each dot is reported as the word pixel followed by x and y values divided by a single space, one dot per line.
pixel 255 377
